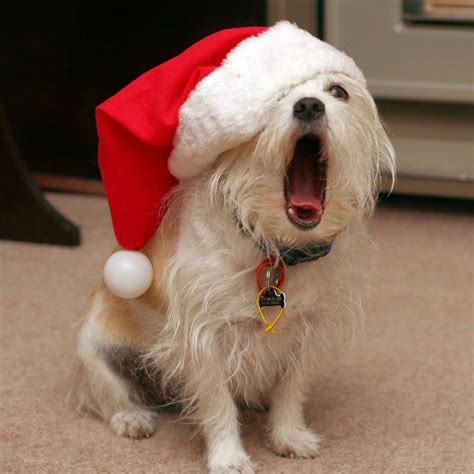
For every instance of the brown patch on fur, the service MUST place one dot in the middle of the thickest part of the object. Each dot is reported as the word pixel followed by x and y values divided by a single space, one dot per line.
pixel 120 325
pixel 159 251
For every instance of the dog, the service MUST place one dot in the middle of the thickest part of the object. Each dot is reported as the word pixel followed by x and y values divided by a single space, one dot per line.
pixel 308 179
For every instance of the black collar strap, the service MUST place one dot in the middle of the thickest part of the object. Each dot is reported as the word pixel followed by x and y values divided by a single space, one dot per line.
pixel 306 254
pixel 292 256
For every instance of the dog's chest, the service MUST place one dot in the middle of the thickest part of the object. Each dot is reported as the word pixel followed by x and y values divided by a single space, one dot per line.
pixel 256 358
pixel 247 320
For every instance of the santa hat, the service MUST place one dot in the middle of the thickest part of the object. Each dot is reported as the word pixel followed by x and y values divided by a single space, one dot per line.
pixel 172 122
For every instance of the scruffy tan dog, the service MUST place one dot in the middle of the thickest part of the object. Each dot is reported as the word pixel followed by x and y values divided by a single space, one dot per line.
pixel 301 176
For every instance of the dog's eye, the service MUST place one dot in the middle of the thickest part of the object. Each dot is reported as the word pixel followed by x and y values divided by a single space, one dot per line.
pixel 338 92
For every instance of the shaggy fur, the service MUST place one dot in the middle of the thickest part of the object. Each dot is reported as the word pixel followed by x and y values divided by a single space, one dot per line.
pixel 196 337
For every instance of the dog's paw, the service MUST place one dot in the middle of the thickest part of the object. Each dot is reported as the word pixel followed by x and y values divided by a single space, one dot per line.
pixel 236 467
pixel 230 461
pixel 295 443
pixel 134 423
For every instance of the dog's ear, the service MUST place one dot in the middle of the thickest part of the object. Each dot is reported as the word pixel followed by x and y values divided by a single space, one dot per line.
pixel 384 156
pixel 383 159
pixel 382 166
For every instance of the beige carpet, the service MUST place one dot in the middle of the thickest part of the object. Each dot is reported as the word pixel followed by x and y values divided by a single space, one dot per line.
pixel 399 401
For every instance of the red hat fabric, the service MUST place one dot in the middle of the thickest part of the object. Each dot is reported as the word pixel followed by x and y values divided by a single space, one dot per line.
pixel 174 121
pixel 136 129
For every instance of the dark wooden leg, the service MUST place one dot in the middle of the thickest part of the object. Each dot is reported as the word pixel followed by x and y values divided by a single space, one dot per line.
pixel 25 215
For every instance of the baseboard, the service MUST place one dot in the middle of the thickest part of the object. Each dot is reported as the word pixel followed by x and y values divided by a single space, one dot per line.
pixel 69 183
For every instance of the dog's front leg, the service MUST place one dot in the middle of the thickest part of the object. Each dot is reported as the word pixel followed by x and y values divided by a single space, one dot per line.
pixel 288 434
pixel 218 417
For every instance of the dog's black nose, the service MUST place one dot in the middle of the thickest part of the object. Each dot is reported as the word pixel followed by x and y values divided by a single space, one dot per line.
pixel 308 109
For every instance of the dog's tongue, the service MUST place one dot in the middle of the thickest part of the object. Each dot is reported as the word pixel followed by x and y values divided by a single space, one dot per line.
pixel 303 192
pixel 305 189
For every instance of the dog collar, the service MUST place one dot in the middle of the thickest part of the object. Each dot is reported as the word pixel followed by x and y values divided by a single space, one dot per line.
pixel 291 256
pixel 270 293
pixel 311 253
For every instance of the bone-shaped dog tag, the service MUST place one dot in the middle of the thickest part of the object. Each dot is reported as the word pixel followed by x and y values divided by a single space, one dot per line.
pixel 271 296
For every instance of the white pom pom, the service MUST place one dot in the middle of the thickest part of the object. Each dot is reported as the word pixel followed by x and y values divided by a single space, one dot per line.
pixel 128 274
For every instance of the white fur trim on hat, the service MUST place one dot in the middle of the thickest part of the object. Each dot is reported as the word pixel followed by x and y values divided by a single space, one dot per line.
pixel 228 106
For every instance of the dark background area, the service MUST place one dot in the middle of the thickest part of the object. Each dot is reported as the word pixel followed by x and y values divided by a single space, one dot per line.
pixel 59 61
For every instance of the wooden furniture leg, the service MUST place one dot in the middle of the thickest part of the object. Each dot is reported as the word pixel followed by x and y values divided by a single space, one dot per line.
pixel 25 215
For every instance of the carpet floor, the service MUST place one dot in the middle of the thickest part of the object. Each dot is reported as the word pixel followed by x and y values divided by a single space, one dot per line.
pixel 399 401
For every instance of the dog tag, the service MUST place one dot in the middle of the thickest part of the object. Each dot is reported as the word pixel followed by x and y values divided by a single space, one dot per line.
pixel 271 296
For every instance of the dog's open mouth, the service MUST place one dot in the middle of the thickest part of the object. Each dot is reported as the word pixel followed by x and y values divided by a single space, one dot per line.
pixel 305 183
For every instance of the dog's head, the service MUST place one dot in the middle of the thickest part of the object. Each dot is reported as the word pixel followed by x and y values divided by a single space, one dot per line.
pixel 315 165
pixel 279 122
